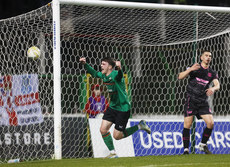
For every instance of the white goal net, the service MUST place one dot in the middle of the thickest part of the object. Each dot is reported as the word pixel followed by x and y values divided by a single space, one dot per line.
pixel 153 45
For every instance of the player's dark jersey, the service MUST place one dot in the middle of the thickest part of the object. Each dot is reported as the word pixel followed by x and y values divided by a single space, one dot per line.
pixel 198 83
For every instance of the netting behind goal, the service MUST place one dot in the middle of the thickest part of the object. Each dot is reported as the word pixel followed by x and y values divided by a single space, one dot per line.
pixel 153 46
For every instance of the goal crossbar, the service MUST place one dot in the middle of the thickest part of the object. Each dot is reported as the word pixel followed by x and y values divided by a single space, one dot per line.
pixel 139 5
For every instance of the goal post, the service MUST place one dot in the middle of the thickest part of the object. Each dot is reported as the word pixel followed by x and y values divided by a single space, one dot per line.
pixel 57 80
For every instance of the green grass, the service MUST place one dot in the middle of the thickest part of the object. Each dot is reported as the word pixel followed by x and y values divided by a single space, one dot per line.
pixel 148 161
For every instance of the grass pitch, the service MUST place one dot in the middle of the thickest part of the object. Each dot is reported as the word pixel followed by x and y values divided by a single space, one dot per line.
pixel 200 160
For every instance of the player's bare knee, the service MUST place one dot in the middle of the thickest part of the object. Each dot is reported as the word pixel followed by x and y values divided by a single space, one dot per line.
pixel 187 125
pixel 103 131
pixel 210 125
pixel 117 136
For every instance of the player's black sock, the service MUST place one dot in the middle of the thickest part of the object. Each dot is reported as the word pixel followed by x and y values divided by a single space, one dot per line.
pixel 186 137
pixel 207 133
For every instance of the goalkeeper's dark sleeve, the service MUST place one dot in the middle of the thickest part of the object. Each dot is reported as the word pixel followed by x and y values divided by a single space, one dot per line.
pixel 119 75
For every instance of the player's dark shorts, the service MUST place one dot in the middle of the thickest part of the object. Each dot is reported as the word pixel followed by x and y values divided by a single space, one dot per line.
pixel 119 118
pixel 194 108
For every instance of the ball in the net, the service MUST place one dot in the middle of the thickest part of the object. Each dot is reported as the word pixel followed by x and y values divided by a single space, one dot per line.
pixel 33 52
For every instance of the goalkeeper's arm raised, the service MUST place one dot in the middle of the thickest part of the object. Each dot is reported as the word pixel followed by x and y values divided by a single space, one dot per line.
pixel 90 69
pixel 120 72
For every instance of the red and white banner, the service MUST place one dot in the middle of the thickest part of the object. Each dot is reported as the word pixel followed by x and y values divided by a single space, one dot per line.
pixel 19 100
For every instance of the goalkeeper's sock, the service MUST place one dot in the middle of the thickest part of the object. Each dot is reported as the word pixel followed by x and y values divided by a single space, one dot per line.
pixel 207 133
pixel 108 141
pixel 186 137
pixel 129 131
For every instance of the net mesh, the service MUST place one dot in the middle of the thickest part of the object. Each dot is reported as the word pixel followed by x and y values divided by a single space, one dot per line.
pixel 153 46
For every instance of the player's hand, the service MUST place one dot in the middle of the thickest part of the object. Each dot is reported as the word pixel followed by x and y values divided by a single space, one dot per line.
pixel 195 67
pixel 210 91
pixel 118 65
pixel 82 60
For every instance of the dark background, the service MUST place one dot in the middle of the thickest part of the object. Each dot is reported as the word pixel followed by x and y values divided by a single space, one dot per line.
pixel 10 8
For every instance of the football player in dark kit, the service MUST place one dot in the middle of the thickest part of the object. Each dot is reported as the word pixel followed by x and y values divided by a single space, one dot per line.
pixel 198 90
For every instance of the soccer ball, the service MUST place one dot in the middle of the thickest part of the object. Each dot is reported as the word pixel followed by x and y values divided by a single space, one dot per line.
pixel 33 52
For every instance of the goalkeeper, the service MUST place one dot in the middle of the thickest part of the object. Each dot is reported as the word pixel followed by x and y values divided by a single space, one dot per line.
pixel 198 90
pixel 118 111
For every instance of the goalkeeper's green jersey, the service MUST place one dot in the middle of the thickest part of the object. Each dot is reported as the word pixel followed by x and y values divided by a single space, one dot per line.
pixel 116 88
